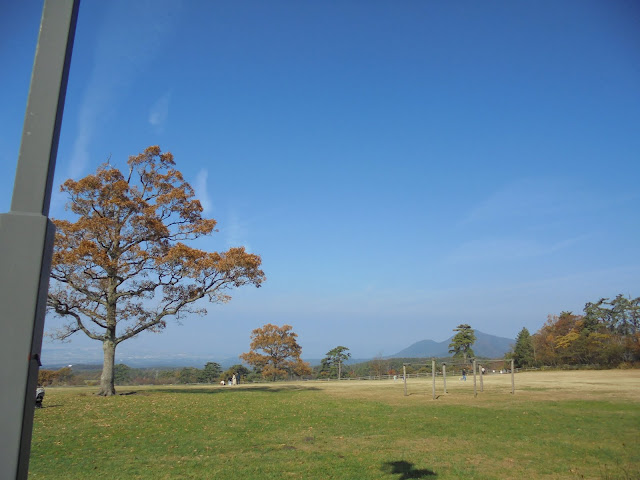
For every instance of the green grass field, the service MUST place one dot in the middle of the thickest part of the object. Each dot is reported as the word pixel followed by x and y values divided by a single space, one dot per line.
pixel 558 425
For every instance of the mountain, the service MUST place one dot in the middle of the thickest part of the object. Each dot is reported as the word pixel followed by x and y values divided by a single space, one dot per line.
pixel 425 348
pixel 490 346
pixel 486 345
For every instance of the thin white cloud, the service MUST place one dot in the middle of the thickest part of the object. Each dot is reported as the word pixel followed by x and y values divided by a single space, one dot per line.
pixel 94 107
pixel 508 249
pixel 202 192
pixel 236 232
pixel 125 47
pixel 524 198
pixel 159 112
pixel 539 200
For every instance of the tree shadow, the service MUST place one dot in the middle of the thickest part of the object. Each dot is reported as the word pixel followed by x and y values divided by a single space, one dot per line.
pixel 423 394
pixel 227 390
pixel 406 470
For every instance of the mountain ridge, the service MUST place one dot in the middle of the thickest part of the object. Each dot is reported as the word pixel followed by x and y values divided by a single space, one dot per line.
pixel 486 345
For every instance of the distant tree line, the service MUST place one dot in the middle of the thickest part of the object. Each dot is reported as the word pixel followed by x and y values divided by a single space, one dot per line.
pixel 212 373
pixel 607 334
pixel 63 376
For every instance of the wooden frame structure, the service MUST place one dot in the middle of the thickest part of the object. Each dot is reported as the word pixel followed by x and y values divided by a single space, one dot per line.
pixel 476 368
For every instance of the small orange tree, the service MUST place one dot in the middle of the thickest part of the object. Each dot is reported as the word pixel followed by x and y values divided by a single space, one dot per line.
pixel 281 352
pixel 122 268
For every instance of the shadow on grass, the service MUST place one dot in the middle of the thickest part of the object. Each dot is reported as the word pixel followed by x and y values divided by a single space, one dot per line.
pixel 406 470
pixel 424 394
pixel 223 390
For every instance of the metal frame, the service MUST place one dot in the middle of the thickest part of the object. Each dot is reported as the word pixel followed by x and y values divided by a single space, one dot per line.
pixel 26 237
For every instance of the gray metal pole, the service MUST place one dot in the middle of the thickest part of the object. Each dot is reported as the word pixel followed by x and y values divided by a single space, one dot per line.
pixel 26 237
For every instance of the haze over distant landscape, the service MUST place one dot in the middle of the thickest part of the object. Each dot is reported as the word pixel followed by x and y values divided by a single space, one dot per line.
pixel 400 167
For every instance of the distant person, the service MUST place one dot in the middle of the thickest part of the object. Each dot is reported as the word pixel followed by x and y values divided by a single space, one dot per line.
pixel 234 380
pixel 464 375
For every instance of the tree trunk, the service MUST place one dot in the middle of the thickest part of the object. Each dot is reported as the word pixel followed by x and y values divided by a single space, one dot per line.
pixel 107 387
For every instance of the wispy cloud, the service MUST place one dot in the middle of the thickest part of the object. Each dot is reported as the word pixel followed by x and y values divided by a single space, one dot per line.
pixel 202 192
pixel 159 112
pixel 95 108
pixel 236 232
pixel 524 198
pixel 541 199
pixel 508 249
pixel 125 47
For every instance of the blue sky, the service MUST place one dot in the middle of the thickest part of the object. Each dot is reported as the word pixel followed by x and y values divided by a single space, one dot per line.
pixel 401 167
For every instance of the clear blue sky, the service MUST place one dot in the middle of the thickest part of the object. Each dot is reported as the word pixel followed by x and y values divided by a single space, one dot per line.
pixel 401 167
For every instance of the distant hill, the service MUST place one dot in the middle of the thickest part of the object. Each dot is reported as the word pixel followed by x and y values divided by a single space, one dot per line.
pixel 486 345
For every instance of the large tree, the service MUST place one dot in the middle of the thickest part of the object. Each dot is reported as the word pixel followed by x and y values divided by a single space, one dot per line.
pixel 240 371
pixel 523 349
pixel 275 352
pixel 122 266
pixel 378 366
pixel 332 363
pixel 210 373
pixel 607 334
pixel 620 315
pixel 461 342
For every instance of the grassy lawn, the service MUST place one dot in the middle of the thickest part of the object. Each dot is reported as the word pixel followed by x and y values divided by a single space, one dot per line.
pixel 558 425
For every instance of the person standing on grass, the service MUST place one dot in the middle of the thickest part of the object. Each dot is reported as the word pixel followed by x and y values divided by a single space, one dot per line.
pixel 464 375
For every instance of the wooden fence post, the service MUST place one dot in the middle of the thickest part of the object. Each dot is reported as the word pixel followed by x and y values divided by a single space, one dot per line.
pixel 513 382
pixel 444 376
pixel 481 380
pixel 433 375
pixel 404 376
pixel 475 388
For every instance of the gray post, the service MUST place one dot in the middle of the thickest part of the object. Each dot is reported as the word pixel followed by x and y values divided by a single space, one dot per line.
pixel 433 375
pixel 26 237
pixel 444 376
pixel 404 377
pixel 513 381
pixel 475 389
pixel 481 380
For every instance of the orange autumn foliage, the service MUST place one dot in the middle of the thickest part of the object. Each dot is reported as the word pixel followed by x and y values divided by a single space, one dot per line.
pixel 280 352
pixel 124 266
